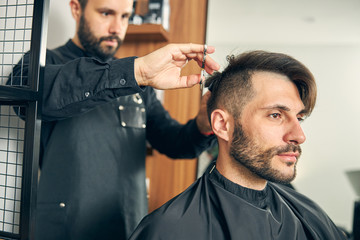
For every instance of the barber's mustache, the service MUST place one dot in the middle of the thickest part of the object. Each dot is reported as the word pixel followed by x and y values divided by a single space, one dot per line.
pixel 113 37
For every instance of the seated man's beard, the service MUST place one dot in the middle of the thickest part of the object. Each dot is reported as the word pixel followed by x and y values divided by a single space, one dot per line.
pixel 258 161
pixel 92 45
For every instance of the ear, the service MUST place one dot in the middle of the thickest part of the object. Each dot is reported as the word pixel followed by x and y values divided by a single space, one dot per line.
pixel 220 124
pixel 75 9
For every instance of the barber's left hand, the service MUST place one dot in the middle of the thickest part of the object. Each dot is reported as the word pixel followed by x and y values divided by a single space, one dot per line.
pixel 161 69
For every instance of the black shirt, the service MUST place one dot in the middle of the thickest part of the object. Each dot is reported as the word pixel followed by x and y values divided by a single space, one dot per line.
pixel 96 121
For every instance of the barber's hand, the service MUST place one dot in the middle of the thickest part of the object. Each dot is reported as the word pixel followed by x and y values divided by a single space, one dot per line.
pixel 202 119
pixel 161 68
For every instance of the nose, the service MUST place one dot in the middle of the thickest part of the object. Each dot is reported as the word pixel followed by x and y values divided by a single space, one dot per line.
pixel 117 25
pixel 294 134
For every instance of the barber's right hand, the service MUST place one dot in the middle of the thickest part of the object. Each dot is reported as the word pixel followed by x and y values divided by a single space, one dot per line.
pixel 161 69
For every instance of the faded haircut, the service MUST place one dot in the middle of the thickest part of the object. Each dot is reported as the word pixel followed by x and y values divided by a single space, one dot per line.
pixel 232 88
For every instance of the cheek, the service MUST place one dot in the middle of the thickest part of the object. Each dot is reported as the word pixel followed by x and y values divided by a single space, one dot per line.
pixel 125 29
pixel 261 132
pixel 98 27
pixel 266 136
pixel 98 30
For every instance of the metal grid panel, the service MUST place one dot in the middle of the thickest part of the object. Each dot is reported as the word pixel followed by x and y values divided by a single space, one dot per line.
pixel 11 169
pixel 16 17
pixel 15 34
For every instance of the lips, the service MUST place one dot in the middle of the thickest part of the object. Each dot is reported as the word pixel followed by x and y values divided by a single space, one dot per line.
pixel 289 157
pixel 292 154
pixel 111 42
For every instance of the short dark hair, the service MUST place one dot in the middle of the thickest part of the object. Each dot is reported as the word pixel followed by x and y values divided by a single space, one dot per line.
pixel 232 88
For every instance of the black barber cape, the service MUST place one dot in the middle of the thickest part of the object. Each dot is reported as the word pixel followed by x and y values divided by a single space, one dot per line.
pixel 214 208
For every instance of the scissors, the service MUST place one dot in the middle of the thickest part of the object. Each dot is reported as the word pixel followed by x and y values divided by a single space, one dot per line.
pixel 202 80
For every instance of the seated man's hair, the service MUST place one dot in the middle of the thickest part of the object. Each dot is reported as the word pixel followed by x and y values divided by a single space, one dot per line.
pixel 232 88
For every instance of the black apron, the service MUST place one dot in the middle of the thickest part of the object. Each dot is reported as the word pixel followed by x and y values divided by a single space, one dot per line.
pixel 96 191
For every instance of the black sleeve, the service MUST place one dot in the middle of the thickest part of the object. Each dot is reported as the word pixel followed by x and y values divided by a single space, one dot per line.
pixel 169 136
pixel 79 85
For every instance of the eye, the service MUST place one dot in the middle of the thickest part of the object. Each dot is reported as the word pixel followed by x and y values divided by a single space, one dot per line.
pixel 105 14
pixel 125 16
pixel 275 115
pixel 301 119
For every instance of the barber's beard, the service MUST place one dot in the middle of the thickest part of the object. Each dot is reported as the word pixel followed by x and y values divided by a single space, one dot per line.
pixel 258 160
pixel 92 44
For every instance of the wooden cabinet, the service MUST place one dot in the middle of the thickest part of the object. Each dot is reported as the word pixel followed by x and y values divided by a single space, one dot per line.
pixel 147 33
pixel 187 24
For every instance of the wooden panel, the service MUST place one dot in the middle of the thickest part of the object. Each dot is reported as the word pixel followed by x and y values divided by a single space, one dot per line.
pixel 146 32
pixel 169 177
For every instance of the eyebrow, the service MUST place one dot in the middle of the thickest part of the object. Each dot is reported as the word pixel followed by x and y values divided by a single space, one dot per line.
pixel 283 108
pixel 111 10
pixel 105 9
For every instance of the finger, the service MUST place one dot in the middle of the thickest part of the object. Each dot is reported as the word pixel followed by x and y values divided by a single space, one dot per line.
pixel 196 55
pixel 210 64
pixel 189 80
pixel 195 48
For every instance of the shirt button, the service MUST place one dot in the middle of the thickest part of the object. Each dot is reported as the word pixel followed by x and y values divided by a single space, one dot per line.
pixel 62 205
pixel 87 94
pixel 122 81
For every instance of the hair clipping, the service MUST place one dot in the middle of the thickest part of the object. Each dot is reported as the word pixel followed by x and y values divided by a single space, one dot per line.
pixel 209 86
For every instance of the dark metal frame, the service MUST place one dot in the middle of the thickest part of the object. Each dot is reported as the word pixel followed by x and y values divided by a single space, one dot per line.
pixel 30 97
pixel 356 221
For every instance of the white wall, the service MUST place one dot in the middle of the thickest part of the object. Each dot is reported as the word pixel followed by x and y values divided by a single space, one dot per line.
pixel 333 55
pixel 61 23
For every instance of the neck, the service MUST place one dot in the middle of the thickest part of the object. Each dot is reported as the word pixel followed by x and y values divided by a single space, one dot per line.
pixel 237 173
pixel 76 40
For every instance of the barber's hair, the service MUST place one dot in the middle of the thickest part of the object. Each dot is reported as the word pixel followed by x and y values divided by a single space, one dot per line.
pixel 232 88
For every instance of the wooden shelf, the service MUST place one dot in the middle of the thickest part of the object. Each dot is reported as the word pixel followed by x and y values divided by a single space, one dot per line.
pixel 146 32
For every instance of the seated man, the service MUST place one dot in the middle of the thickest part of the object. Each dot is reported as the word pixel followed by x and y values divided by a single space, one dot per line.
pixel 256 106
